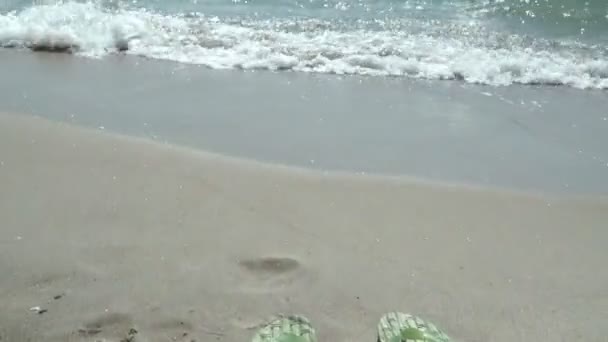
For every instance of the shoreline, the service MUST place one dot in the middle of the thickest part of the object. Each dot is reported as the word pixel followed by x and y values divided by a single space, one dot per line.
pixel 175 243
pixel 306 172
pixel 547 140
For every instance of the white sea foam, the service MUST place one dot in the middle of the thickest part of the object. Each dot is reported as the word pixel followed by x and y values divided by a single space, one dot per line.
pixel 305 45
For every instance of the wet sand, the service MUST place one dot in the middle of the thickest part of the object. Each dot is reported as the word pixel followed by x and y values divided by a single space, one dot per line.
pixel 543 139
pixel 124 238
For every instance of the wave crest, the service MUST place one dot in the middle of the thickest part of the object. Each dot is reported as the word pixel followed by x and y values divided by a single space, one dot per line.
pixel 464 52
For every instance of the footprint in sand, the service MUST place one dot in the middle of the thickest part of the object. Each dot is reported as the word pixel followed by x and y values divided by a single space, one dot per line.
pixel 175 329
pixel 114 326
pixel 269 265
pixel 270 273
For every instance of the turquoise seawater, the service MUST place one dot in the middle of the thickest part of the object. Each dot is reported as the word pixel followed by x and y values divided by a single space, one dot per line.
pixel 497 42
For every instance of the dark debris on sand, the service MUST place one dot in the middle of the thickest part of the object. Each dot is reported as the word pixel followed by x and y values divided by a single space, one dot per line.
pixel 55 47
pixel 130 336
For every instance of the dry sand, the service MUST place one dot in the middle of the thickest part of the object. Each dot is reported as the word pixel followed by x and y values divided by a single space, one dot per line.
pixel 110 234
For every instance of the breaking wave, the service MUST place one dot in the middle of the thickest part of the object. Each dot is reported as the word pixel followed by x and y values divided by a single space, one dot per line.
pixel 454 50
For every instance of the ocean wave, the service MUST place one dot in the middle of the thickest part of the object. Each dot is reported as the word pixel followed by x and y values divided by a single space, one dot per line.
pixel 465 52
pixel 557 11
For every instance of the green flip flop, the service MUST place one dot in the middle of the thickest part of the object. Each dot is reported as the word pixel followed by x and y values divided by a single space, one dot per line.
pixel 291 328
pixel 400 327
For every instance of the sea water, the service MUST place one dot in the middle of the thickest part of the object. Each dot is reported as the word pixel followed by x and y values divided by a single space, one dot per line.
pixel 494 42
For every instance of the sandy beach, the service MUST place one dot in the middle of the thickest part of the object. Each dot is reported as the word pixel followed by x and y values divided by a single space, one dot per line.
pixel 187 170
pixel 114 238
